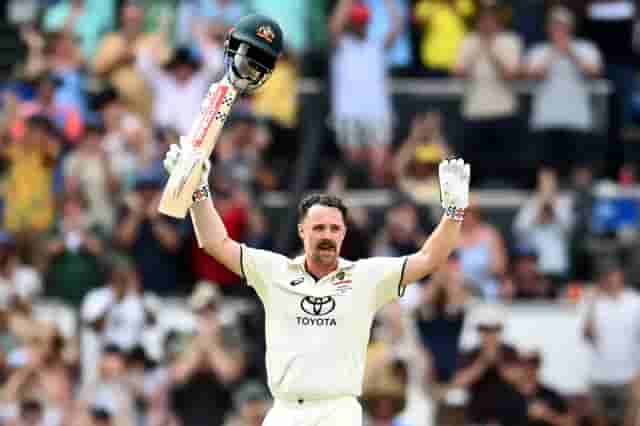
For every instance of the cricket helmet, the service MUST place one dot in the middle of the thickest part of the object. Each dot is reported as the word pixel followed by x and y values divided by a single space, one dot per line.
pixel 252 48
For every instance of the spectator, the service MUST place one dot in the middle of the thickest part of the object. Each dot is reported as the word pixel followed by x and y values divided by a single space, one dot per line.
pixel 361 105
pixel 72 255
pixel 86 19
pixel 241 150
pixel 384 398
pixel 489 59
pixel 181 85
pixel 259 234
pixel 526 282
pixel 111 395
pixel 564 66
pixel 546 407
pixel 401 234
pixel 113 314
pixel 611 328
pixel 251 402
pixel 483 256
pixel 134 154
pixel 439 319
pixel 611 24
pixel 545 222
pixel 150 238
pixel 29 203
pixel 490 373
pixel 20 283
pixel 443 27
pixel 88 172
pixel 209 367
pixel 66 118
pixel 116 56
pixel 415 165
pixel 400 54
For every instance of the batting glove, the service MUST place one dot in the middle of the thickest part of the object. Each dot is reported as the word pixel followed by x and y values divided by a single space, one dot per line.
pixel 454 178
pixel 183 158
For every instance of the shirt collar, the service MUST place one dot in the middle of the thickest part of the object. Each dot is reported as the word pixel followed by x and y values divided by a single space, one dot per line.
pixel 342 263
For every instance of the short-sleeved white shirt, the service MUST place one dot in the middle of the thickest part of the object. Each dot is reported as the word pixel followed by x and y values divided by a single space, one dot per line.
pixel 317 332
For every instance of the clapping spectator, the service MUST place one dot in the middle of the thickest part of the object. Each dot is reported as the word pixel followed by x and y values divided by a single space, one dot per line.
pixel 415 165
pixel 489 60
pixel 443 25
pixel 210 366
pixel 361 106
pixel 490 373
pixel 72 254
pixel 564 66
pixel 439 318
pixel 150 238
pixel 545 222
pixel 611 327
pixel 545 406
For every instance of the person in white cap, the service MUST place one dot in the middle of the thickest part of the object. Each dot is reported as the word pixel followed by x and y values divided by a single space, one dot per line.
pixel 319 307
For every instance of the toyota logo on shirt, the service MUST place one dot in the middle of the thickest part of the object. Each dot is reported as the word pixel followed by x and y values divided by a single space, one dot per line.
pixel 318 306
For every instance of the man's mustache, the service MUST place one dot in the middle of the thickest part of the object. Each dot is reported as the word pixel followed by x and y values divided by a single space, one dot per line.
pixel 326 244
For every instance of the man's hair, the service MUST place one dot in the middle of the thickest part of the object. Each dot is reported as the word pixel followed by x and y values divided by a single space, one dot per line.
pixel 323 200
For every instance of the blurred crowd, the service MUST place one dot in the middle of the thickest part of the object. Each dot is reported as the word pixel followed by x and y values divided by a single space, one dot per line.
pixel 111 315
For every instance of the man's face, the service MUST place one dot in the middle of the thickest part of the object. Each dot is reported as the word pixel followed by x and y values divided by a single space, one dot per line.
pixel 559 32
pixel 488 22
pixel 490 334
pixel 613 281
pixel 322 232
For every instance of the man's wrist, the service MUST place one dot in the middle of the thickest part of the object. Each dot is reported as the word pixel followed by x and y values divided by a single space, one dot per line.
pixel 201 194
pixel 454 213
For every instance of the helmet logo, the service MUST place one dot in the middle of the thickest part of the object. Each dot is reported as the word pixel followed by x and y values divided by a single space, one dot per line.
pixel 266 32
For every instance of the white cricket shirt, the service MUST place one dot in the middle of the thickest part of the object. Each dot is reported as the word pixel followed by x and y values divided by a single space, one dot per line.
pixel 317 332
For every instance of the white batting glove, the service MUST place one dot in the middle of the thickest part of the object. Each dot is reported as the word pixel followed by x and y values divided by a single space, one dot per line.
pixel 454 178
pixel 183 158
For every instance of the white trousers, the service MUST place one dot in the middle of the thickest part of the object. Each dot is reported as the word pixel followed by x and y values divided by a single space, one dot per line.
pixel 345 411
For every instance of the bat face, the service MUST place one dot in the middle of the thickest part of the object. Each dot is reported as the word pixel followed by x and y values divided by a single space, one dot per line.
pixel 185 177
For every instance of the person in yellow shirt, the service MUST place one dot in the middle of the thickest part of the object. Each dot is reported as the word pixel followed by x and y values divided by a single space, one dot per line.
pixel 28 194
pixel 443 26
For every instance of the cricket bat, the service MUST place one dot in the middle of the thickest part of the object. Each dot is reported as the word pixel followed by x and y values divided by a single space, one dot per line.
pixel 204 133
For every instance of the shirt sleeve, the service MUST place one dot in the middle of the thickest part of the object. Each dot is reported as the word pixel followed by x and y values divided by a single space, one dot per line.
pixel 536 57
pixel 385 275
pixel 589 53
pixel 259 268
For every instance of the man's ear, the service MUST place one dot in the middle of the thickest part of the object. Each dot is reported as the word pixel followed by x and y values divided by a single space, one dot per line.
pixel 300 231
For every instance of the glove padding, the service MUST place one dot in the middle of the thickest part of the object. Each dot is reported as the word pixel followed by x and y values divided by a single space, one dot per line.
pixel 193 156
pixel 454 176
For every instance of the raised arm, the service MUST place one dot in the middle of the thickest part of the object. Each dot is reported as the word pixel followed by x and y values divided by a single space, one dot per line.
pixel 211 233
pixel 454 191
pixel 338 19
pixel 397 23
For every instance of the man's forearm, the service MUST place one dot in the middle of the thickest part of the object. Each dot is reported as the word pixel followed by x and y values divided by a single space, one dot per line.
pixel 209 228
pixel 212 236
